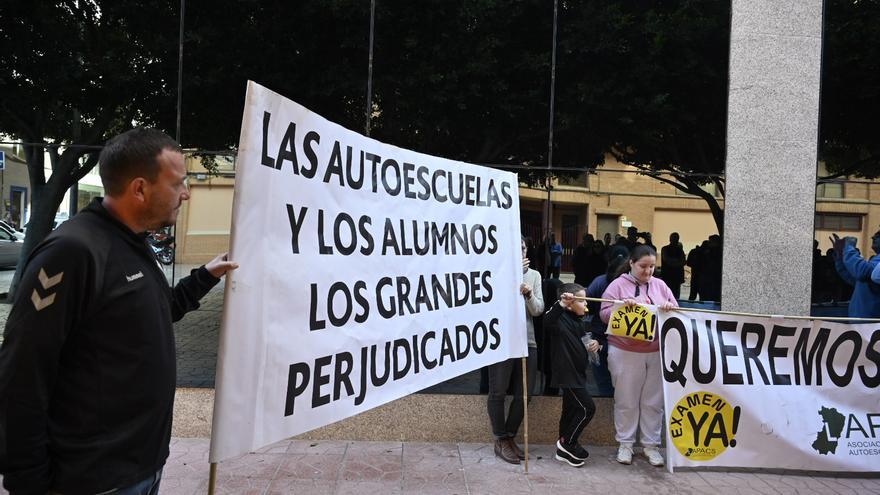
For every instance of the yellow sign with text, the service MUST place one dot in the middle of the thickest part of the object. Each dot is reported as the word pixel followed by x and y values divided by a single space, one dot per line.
pixel 634 322
pixel 703 425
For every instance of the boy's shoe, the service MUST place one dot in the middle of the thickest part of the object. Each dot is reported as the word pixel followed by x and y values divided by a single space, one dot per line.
pixel 576 451
pixel 655 458
pixel 563 456
pixel 625 454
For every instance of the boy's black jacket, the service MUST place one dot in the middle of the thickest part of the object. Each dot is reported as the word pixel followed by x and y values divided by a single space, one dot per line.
pixel 568 354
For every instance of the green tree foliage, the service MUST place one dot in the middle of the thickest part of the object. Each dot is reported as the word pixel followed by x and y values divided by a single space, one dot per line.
pixel 79 71
pixel 848 132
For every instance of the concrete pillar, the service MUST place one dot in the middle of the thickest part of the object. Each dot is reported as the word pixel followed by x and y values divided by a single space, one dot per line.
pixel 772 132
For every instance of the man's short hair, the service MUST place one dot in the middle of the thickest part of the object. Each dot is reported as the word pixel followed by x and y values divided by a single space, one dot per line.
pixel 132 154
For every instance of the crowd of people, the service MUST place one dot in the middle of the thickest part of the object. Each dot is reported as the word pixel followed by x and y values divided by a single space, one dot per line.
pixel 561 338
pixel 592 256
pixel 628 369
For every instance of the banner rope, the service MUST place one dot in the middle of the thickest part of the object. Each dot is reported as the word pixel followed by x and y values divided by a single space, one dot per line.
pixel 735 313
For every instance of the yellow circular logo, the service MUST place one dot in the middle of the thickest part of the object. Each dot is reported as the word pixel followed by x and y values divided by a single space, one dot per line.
pixel 634 322
pixel 703 425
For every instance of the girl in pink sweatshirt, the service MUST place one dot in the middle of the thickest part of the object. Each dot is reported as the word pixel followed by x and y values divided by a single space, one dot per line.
pixel 635 364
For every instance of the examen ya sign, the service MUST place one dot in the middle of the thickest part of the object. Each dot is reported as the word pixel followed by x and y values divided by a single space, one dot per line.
pixel 372 272
pixel 770 392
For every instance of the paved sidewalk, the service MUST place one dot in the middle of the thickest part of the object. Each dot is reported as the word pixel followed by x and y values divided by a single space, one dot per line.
pixel 306 467
pixel 374 468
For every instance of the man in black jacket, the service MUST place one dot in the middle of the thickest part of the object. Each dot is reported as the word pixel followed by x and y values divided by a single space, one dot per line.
pixel 87 367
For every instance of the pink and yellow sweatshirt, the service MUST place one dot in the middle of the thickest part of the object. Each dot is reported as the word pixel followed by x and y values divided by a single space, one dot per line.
pixel 655 291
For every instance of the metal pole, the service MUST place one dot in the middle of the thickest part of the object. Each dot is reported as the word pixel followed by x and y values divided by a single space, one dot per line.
pixel 177 133
pixel 370 68
pixel 550 133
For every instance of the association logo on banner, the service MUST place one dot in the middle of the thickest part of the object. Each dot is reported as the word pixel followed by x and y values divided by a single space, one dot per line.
pixel 857 434
pixel 703 425
pixel 635 322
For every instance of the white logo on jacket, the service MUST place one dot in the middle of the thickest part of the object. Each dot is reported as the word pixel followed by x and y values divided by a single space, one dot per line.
pixel 132 278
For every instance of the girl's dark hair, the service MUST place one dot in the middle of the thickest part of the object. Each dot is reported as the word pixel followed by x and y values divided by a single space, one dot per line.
pixel 638 252
pixel 569 287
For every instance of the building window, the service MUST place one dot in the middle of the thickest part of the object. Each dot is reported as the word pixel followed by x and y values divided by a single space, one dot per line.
pixel 838 222
pixel 830 190
pixel 579 180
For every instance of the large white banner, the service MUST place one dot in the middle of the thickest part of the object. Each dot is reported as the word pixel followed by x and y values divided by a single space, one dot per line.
pixel 368 272
pixel 770 392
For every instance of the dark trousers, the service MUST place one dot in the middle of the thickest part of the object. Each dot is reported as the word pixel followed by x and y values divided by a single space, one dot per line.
pixel 675 288
pixel 501 376
pixel 577 411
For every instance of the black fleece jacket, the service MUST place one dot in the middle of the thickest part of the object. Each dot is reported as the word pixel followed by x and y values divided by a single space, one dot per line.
pixel 568 353
pixel 88 365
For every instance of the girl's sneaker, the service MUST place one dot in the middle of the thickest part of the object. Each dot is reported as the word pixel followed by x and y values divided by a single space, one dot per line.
pixel 655 458
pixel 625 454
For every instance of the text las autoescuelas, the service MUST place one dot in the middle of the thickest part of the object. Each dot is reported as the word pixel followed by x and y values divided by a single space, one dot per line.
pixel 340 302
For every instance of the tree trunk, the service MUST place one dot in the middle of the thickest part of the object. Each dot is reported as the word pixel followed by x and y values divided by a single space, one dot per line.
pixel 45 199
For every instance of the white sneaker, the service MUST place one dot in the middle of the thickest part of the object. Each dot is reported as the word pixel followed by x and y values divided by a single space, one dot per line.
pixel 655 458
pixel 625 454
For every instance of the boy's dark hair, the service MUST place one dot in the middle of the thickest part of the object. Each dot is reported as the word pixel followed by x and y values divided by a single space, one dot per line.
pixel 132 154
pixel 569 287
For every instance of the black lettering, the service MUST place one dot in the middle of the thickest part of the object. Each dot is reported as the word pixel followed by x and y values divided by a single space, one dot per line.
pixel 428 364
pixel 422 176
pixel 314 322
pixel 809 362
pixel 296 223
pixel 376 380
pixel 335 165
pixel 359 288
pixel 323 248
pixel 727 351
pixel 365 233
pixel 400 371
pixel 753 353
pixel 338 321
pixel 352 234
pixel 385 311
pixel 297 381
pixel 699 375
pixel 844 379
pixel 309 141
pixel 340 377
pixel 266 159
pixel 874 356
pixel 393 165
pixel 285 150
pixel 496 337
pixel 459 331
pixel 675 371
pixel 773 352
pixel 320 379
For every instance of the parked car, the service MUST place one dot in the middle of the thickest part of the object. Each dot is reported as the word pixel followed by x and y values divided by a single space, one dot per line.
pixel 10 229
pixel 10 249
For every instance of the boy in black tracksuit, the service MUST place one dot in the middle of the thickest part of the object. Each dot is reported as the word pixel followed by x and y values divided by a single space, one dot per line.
pixel 569 362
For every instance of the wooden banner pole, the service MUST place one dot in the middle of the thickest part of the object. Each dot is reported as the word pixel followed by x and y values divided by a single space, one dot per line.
pixel 212 478
pixel 525 387
pixel 754 315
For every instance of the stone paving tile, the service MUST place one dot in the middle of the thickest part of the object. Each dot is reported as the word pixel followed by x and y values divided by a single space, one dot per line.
pixel 418 449
pixel 183 486
pixel 259 466
pixel 368 487
pixel 319 447
pixel 301 487
pixel 371 467
pixel 308 467
pixel 375 448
